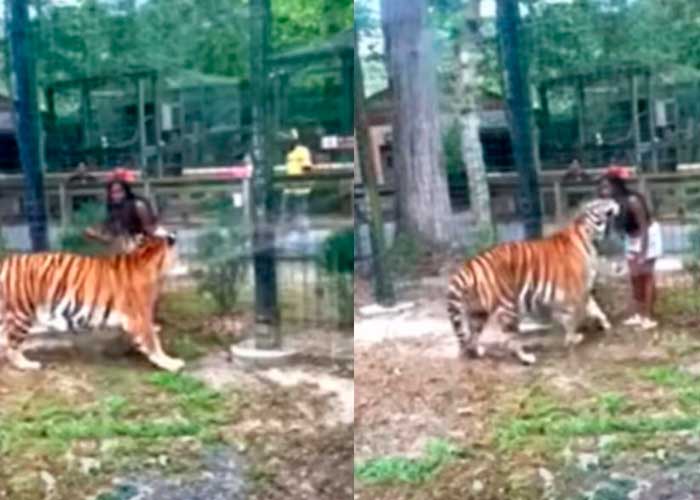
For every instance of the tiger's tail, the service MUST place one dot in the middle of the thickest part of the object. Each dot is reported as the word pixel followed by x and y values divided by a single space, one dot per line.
pixel 456 303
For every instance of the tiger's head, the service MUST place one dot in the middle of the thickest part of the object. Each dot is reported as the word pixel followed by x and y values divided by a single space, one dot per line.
pixel 157 249
pixel 596 215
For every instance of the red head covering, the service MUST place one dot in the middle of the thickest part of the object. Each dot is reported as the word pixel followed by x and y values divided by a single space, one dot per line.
pixel 618 172
pixel 122 174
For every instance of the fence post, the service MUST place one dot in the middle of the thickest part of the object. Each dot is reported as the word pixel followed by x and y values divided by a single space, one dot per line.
pixel 245 189
pixel 63 203
pixel 558 201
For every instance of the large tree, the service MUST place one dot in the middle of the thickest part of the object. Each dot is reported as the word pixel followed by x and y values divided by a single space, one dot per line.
pixel 469 83
pixel 424 206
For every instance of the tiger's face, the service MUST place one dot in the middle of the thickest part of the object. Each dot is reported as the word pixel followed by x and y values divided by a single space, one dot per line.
pixel 598 214
pixel 161 243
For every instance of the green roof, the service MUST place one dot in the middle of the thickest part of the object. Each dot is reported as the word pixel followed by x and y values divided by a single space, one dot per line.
pixel 340 44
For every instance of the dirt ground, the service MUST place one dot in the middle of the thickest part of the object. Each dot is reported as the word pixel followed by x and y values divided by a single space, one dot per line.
pixel 609 419
pixel 108 426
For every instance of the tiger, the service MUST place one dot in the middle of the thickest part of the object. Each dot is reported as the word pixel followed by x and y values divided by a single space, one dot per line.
pixel 72 292
pixel 554 274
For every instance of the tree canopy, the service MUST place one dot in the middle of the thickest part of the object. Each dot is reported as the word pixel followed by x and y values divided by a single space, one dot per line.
pixel 91 37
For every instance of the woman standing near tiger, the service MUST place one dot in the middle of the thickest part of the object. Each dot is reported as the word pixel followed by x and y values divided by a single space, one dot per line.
pixel 128 216
pixel 643 243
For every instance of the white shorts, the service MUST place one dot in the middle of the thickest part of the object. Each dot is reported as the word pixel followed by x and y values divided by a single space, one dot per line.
pixel 633 246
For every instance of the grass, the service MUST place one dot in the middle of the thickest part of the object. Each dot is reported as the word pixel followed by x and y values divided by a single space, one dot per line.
pixel 541 417
pixel 185 315
pixel 122 414
pixel 391 470
pixel 185 407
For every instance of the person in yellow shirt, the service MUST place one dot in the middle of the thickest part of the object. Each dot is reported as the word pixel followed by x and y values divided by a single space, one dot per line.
pixel 299 158
pixel 295 197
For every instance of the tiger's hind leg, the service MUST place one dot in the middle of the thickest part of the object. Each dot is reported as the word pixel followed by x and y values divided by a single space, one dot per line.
pixel 464 331
pixel 477 321
pixel 513 344
pixel 569 318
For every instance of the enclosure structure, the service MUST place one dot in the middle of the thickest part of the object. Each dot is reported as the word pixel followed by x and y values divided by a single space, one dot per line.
pixel 297 104
pixel 633 114
pixel 157 121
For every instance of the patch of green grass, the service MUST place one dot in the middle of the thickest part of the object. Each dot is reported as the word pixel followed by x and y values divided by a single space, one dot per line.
pixel 161 406
pixel 676 302
pixel 612 403
pixel 541 420
pixel 668 376
pixel 391 470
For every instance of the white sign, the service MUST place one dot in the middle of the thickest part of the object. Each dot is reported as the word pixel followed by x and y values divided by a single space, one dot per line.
pixel 338 142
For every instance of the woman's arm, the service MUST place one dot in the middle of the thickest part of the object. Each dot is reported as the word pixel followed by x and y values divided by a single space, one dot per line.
pixel 147 219
pixel 95 234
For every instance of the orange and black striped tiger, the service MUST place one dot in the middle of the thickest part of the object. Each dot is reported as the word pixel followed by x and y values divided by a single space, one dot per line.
pixel 553 274
pixel 71 292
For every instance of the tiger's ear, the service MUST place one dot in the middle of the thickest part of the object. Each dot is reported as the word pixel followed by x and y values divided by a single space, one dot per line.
pixel 171 239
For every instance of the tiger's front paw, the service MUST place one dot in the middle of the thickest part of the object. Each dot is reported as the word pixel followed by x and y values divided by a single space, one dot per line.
pixel 165 362
pixel 20 362
pixel 526 358
pixel 573 339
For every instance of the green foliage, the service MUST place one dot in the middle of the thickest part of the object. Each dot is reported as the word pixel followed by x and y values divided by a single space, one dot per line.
pixel 404 470
pixel 209 36
pixel 338 252
pixel 299 22
pixel 338 260
pixel 452 150
pixel 71 237
pixel 220 251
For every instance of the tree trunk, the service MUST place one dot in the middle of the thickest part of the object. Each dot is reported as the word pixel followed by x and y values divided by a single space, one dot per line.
pixel 424 205
pixel 468 93
pixel 383 287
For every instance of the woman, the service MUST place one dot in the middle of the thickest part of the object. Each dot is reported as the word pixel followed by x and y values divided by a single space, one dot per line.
pixel 642 243
pixel 127 217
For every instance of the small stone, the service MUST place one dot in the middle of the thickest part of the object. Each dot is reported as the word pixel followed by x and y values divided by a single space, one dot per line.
pixel 661 454
pixel 588 461
pixel 49 484
pixel 606 441
pixel 89 465
pixel 693 370
pixel 163 460
pixel 477 486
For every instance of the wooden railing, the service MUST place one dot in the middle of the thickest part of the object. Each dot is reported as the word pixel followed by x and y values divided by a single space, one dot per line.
pixel 672 196
pixel 177 199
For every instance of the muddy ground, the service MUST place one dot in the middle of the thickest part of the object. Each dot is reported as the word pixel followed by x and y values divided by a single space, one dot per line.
pixel 111 427
pixel 614 418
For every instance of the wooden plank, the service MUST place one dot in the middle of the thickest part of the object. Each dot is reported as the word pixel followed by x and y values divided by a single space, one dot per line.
pixel 651 109
pixel 634 93
pixel 143 160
